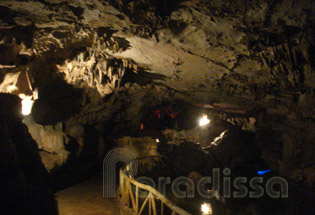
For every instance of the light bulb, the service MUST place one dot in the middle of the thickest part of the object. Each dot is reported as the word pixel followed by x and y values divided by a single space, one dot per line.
pixel 27 104
pixel 206 209
pixel 204 120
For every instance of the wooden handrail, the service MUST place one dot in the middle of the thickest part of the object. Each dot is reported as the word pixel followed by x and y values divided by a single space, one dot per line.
pixel 128 197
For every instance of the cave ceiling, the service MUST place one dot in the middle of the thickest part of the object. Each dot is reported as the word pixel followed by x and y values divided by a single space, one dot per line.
pixel 111 65
pixel 242 53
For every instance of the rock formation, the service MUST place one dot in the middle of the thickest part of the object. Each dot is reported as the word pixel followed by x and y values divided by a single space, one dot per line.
pixel 104 66
pixel 26 186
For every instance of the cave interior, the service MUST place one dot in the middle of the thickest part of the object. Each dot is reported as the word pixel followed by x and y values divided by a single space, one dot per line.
pixel 188 87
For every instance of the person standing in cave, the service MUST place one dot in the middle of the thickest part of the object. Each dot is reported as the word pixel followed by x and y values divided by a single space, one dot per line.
pixel 25 184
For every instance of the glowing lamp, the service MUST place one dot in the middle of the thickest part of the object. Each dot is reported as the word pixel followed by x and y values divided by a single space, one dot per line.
pixel 204 120
pixel 27 104
pixel 206 209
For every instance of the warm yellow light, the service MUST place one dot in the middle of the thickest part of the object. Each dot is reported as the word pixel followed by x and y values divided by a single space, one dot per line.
pixel 27 104
pixel 12 88
pixel 206 209
pixel 157 140
pixel 204 120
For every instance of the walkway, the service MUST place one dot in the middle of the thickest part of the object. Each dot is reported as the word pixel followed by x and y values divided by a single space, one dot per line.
pixel 87 199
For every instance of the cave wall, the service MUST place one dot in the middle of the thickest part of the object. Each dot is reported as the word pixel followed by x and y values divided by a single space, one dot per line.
pixel 26 186
pixel 100 63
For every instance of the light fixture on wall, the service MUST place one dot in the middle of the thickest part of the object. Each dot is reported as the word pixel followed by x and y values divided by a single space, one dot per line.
pixel 204 120
pixel 27 104
pixel 206 209
pixel 28 101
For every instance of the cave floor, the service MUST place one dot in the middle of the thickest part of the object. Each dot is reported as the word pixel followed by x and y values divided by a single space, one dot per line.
pixel 87 198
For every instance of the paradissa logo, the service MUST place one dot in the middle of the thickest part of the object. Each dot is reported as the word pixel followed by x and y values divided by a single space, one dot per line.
pixel 240 184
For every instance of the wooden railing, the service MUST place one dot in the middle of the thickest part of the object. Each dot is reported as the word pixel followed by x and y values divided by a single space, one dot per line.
pixel 129 196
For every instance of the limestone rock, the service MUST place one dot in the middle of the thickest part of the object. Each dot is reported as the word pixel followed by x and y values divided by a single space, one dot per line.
pixel 26 186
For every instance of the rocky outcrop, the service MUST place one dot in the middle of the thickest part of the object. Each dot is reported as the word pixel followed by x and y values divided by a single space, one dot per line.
pixel 290 151
pixel 26 186
pixel 255 56
pixel 145 149
pixel 257 52
pixel 102 62
pixel 67 146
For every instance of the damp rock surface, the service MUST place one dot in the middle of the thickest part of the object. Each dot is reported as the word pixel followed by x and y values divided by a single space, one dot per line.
pixel 26 186
pixel 106 64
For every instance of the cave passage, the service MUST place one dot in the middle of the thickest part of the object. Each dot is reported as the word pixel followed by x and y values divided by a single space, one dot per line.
pixel 191 107
pixel 87 198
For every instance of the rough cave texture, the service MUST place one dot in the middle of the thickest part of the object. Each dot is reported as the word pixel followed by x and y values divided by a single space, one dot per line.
pixel 100 67
pixel 26 186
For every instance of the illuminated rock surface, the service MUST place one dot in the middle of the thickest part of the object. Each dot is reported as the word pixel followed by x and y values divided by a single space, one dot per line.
pixel 98 71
